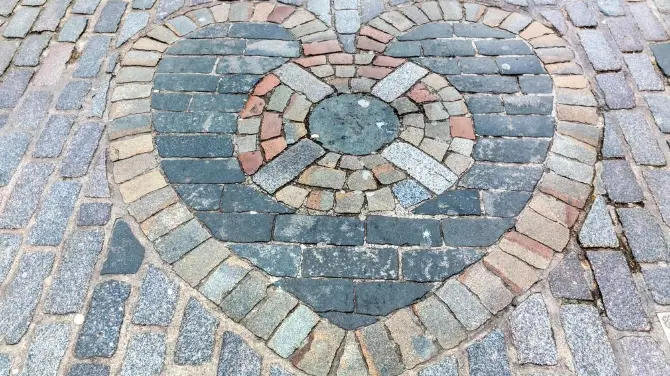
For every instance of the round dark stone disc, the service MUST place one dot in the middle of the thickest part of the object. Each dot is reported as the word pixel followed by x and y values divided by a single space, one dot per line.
pixel 353 124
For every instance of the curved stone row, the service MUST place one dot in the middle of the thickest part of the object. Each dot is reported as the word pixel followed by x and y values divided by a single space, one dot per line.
pixel 460 305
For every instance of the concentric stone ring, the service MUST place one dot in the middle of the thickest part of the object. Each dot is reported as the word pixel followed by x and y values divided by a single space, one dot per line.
pixel 357 184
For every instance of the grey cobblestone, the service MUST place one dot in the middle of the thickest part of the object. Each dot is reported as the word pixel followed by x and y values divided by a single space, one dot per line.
pixel 73 94
pixel 532 334
pixel 23 200
pixel 195 343
pixel 72 29
pixel 51 16
pixel 620 182
pixel 157 301
pixel 488 356
pixel 643 72
pixel 13 86
pixel 639 135
pixel 145 355
pixel 237 357
pixel 47 349
pixel 53 137
pixel 33 109
pixel 80 153
pixel 599 52
pixel 21 22
pixel 52 219
pixel 12 148
pixel 91 58
pixel 465 305
pixel 645 237
pixel 31 49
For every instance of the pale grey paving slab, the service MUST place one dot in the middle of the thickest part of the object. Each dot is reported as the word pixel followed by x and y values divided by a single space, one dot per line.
pixel 293 331
pixel 7 50
pixel 620 296
pixel 133 23
pixel 660 109
pixel 53 136
pixel 47 349
pixel 398 82
pixel 98 186
pixel 657 279
pixel 110 17
pixel 85 6
pixel 145 355
pixel 51 15
pixel 618 94
pixel 300 80
pixel 659 185
pixel 643 72
pixel 72 96
pixel 9 247
pixel 288 165
pixel 22 295
pixel 144 4
pixel 426 170
pixel 94 214
pixel 99 335
pixel 23 200
pixel 32 110
pixel 13 85
pixel 532 333
pixel 612 146
pixel 158 299
pixel 89 369
pixel 21 22
pixel 54 215
pixel 488 356
pixel 99 100
pixel 31 50
pixel 5 364
pixel 644 356
pixel 447 366
pixel 465 305
pixel 591 351
pixel 90 60
pixel 611 7
pixel 80 152
pixel 645 237
pixel 237 358
pixel 167 7
pixel 599 52
pixel 638 133
pixel 626 34
pixel 6 6
pixel 620 182
pixel 649 25
pixel 598 230
pixel 70 285
pixel 371 9
pixel 72 29
pixel 12 147
pixel 580 14
pixel 347 21
pixel 195 344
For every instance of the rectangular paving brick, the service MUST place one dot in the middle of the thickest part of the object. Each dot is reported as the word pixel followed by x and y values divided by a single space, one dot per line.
pixel 250 291
pixel 12 87
pixel 7 50
pixel 300 80
pixel 375 342
pixel 598 50
pixel 488 356
pixel 158 299
pixel 47 349
pixel 110 17
pixel 439 321
pixel 398 82
pixel 183 239
pixel 32 111
pixel 195 344
pixel 9 247
pixel 24 198
pixel 12 148
pixel 51 15
pixel 374 263
pixel 484 175
pixel 403 231
pixel 620 182
pixel 70 284
pixel 31 50
pixel 51 140
pixel 263 321
pixel 81 150
pixel 639 135
pixel 145 354
pixel 432 174
pixel 645 237
pixel 319 229
pixel 54 215
pixel 293 331
pixel 21 22
pixel 649 25
pixel 90 60
pixel 465 305
pixel 288 165
pixel 22 295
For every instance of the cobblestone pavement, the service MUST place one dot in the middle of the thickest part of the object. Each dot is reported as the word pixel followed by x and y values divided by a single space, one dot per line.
pixel 344 187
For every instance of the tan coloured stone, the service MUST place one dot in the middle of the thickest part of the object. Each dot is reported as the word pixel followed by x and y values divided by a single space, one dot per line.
pixel 141 185
pixel 579 114
pixel 554 209
pixel 127 169
pixel 542 229
pixel 261 12
pixel 165 220
pixel 534 30
pixel 380 200
pixel 127 147
pixel 316 356
pixel 526 249
pixel 148 44
pixel 518 275
pixel 414 346
pixel 292 195
pixel 490 289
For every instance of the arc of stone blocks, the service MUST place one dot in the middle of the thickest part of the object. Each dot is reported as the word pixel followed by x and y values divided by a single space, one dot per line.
pixel 540 231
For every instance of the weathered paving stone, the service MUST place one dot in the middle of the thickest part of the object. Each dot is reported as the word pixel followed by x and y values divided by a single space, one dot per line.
pixel 379 348
pixel 53 137
pixel 464 305
pixel 200 196
pixel 591 351
pixel 618 93
pixel 622 301
pixel 292 331
pixel 373 263
pixel 157 301
pixel 9 246
pixel 382 298
pixel 415 347
pixel 488 356
pixel 239 227
pixel 598 230
pixel 420 166
pixel 242 198
pixel 195 344
pixel 478 65
pixel 488 176
pixel 658 281
pixel 600 54
pixel 174 245
pixel 447 366
pixel 250 291
pixel 660 108
pixel 567 279
pixel 399 81
pixel 89 369
pixel 651 28
pixel 20 23
pixel 31 50
pixel 645 237
pixel 124 252
pixel 263 321
pixel 110 17
pixel 644 356
pixel 504 203
pixel 659 182
pixel 643 72
pixel 133 23
pixel 203 171
pixel 145 355
pixel 514 126
pixel 351 361
pixel 90 60
pixel 513 65
pixel 503 47
pixel 626 34
pixel 526 150
pixel 81 150
pixel 207 47
pixel 222 280
pixel 639 135
pixel 288 165
pixel 409 193
pixel 436 265
pixel 194 122
pixel 72 29
pixel 99 335
pixel 94 214
pixel 8 48
pixel 237 357
pixel 620 182
pixel 52 219
pixel 12 148
pixel 85 6
pixel 21 297
pixel 457 202
pixel 485 84
pixel 69 287
pixel 460 231
pixel 300 80
pixel 13 86
pixel 51 16
pixel 72 95
pixel 47 349
pixel 242 64
pixel 447 47
pixel 532 334
pixel 319 229
pixel 277 259
pixel 400 231
pixel 322 346
pixel 322 295
pixel 580 14
pixel 32 111
pixel 23 200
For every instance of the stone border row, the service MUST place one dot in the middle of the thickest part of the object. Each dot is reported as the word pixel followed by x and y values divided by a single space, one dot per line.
pixel 459 306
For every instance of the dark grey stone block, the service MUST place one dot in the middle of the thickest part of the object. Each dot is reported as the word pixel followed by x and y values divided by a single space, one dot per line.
pixel 172 102
pixel 275 259
pixel 474 232
pixel 514 126
pixel 200 196
pixel 203 171
pixel 186 82
pixel 238 83
pixel 447 47
pixel 346 262
pixel 483 175
pixel 403 231
pixel 242 198
pixel 429 31
pixel 484 84
pixel 504 203
pixel 535 84
pixel 441 65
pixel 478 30
pixel 517 65
pixel 194 122
pixel 478 65
pixel 89 369
pixel 237 358
pixel 218 102
pixel 124 252
pixel 349 321
pixel 403 49
pixel 194 146
pixel 481 104
pixel 428 265
pixel 503 47
pixel 455 202
pixel 207 47
pixel 382 298
pixel 322 295
pixel 511 150
pixel 249 30
pixel 186 64
pixel 319 229
pixel 239 227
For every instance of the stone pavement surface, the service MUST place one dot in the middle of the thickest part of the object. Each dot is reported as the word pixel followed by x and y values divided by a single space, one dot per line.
pixel 346 187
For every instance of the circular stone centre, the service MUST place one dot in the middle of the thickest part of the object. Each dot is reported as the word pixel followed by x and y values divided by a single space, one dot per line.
pixel 353 124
